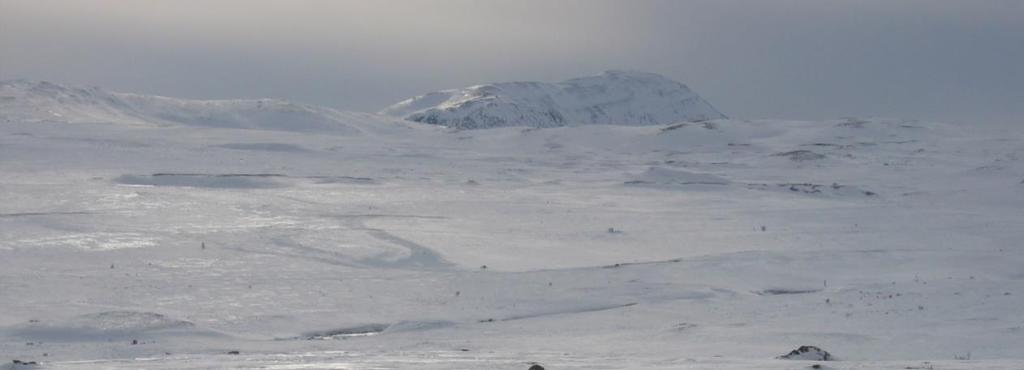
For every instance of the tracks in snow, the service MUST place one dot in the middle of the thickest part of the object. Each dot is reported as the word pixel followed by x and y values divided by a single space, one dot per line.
pixel 418 257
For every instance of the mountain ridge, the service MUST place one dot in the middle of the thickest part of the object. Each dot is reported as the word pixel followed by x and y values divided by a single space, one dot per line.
pixel 613 97
pixel 43 101
pixel 626 98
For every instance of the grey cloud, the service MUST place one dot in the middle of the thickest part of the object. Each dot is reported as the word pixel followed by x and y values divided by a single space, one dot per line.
pixel 936 60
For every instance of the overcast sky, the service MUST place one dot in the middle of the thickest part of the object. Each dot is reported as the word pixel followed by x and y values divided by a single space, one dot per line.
pixel 959 61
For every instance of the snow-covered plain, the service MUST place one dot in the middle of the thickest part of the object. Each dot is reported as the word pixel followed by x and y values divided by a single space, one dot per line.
pixel 359 242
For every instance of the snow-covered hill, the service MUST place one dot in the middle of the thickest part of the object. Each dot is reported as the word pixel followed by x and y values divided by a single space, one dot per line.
pixel 614 97
pixel 725 244
pixel 29 101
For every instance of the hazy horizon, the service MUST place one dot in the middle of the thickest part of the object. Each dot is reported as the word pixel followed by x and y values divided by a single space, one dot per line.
pixel 932 60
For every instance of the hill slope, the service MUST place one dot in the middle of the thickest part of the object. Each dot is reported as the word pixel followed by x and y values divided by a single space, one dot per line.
pixel 29 101
pixel 614 97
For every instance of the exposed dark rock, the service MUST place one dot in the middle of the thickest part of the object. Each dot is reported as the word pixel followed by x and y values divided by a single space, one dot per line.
pixel 811 353
pixel 801 155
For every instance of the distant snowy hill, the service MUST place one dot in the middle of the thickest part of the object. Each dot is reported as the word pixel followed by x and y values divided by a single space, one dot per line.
pixel 29 101
pixel 614 97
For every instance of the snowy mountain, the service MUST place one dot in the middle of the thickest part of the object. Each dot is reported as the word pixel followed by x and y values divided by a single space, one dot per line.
pixel 614 97
pixel 29 101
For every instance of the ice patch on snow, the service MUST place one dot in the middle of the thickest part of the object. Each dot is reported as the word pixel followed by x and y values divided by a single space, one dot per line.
pixel 403 326
pixel 225 181
pixel 97 241
pixel 267 147
pixel 347 332
pixel 670 177
pixel 102 326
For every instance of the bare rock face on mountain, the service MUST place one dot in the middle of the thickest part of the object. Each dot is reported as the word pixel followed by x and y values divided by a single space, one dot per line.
pixel 614 97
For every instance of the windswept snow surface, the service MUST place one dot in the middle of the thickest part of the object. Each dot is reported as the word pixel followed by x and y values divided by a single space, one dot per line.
pixel 691 245
pixel 614 97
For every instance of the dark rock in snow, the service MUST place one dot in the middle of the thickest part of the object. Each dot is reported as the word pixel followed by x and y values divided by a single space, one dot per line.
pixel 801 155
pixel 811 353
pixel 19 364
